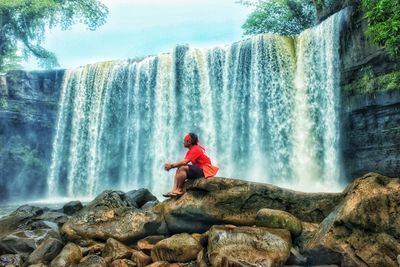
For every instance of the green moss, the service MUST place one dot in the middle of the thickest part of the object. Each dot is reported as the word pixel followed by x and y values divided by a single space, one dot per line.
pixel 371 83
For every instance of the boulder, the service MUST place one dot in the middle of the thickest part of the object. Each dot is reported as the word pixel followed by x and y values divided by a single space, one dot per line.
pixel 177 248
pixel 45 252
pixel 70 255
pixel 72 207
pixel 11 260
pixel 114 250
pixel 278 219
pixel 111 214
pixel 364 229
pixel 248 246
pixel 92 261
pixel 229 201
pixel 141 196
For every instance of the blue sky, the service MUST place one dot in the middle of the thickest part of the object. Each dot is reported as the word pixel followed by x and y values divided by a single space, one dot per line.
pixel 148 27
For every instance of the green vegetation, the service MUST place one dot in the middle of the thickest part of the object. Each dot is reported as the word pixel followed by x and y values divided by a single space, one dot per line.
pixel 384 24
pixel 284 17
pixel 372 83
pixel 23 24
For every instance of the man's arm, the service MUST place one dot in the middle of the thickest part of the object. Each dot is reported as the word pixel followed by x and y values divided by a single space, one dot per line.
pixel 169 166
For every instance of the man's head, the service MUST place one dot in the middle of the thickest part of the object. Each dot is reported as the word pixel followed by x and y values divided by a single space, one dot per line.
pixel 190 139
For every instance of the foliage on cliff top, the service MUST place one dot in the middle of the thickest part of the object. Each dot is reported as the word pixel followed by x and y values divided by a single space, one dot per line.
pixel 23 24
pixel 284 17
pixel 384 23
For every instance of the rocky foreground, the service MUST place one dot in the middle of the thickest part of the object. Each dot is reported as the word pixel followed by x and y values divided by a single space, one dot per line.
pixel 217 222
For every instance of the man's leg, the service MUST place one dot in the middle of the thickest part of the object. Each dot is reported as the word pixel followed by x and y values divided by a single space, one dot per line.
pixel 180 177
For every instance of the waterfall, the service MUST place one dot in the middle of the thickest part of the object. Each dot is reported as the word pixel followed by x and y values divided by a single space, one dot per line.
pixel 265 108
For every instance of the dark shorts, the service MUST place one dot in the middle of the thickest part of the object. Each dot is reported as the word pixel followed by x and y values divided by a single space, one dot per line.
pixel 194 172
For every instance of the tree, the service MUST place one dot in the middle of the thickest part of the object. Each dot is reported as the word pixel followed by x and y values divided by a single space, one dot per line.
pixel 384 24
pixel 23 24
pixel 284 17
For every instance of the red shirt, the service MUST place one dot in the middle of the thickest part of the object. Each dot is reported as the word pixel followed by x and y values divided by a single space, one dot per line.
pixel 197 157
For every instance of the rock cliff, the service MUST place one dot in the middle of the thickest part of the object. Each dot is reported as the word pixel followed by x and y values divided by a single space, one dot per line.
pixel 28 109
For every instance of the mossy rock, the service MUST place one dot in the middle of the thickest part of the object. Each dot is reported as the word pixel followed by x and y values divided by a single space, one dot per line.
pixel 279 219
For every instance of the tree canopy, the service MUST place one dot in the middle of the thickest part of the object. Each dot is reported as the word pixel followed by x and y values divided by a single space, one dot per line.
pixel 23 24
pixel 284 17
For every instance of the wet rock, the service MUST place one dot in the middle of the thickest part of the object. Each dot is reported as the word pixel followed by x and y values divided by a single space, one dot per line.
pixel 364 228
pixel 112 215
pixel 278 219
pixel 114 250
pixel 177 248
pixel 72 207
pixel 11 260
pixel 24 229
pixel 26 241
pixel 45 252
pixel 248 246
pixel 141 196
pixel 70 255
pixel 38 265
pixel 92 261
pixel 229 201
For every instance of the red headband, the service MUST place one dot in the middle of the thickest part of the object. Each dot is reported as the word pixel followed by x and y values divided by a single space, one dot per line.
pixel 188 138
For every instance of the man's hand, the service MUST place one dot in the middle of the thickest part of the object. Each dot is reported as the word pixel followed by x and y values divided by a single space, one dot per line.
pixel 167 166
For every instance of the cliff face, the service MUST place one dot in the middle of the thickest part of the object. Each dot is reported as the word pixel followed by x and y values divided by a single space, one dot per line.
pixel 370 102
pixel 28 110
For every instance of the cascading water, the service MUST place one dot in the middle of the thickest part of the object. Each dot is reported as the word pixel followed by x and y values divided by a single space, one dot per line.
pixel 265 108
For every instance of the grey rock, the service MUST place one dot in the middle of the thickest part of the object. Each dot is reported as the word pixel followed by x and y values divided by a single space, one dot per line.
pixel 11 260
pixel 72 207
pixel 141 196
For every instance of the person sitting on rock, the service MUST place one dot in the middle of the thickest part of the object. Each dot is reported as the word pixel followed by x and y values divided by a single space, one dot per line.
pixel 200 165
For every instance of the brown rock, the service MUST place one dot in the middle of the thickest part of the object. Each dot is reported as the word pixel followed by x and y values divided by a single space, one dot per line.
pixel 201 259
pixel 278 219
pixel 37 265
pixel 70 255
pixel 177 248
pixel 96 248
pixel 229 201
pixel 92 261
pixel 248 246
pixel 123 263
pixel 112 215
pixel 45 252
pixel 159 264
pixel 364 228
pixel 146 244
pixel 140 258
pixel 114 250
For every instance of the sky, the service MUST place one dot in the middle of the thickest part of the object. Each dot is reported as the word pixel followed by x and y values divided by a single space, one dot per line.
pixel 137 28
